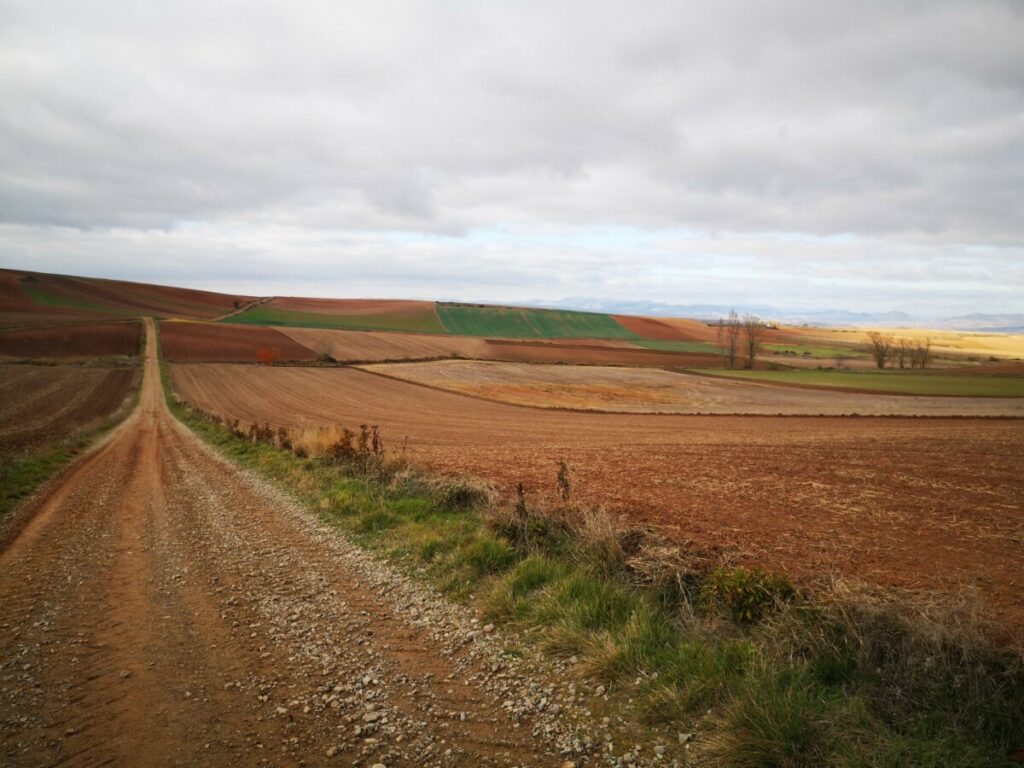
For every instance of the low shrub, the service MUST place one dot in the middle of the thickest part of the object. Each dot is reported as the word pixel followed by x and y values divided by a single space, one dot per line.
pixel 745 594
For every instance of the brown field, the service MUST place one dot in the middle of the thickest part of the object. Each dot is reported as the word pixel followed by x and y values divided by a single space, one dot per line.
pixel 79 340
pixel 385 345
pixel 587 352
pixel 646 390
pixel 186 341
pixel 663 329
pixel 39 403
pixel 370 346
pixel 77 298
pixel 913 503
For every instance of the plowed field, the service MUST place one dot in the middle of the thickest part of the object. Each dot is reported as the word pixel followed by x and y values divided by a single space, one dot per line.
pixel 198 342
pixel 381 345
pixel 665 330
pixel 58 295
pixel 365 346
pixel 354 314
pixel 917 503
pixel 43 402
pixel 587 352
pixel 80 340
pixel 636 390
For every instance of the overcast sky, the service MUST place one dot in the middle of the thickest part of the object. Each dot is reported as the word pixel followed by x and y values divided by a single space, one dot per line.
pixel 862 156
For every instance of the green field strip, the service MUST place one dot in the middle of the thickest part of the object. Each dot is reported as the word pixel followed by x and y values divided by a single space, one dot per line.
pixel 693 347
pixel 893 382
pixel 527 323
pixel 422 321
pixel 823 353
pixel 46 299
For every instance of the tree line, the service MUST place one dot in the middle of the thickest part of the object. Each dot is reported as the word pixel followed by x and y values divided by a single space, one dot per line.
pixel 906 353
pixel 739 339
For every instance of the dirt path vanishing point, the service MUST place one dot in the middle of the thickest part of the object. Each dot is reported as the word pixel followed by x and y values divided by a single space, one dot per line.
pixel 163 608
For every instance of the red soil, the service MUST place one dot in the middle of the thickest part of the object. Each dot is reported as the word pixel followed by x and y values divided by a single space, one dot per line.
pixel 663 330
pixel 95 296
pixel 80 340
pixel 200 342
pixel 591 353
pixel 914 503
pixel 12 296
pixel 350 306
pixel 40 403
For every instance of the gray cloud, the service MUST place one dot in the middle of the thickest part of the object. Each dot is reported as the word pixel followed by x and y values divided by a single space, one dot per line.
pixel 317 130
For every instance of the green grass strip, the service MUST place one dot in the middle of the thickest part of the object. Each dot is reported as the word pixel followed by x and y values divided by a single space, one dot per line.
pixel 20 476
pixel 822 353
pixel 693 347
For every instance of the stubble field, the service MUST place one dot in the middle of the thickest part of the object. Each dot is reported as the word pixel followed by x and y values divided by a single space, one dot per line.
pixel 912 503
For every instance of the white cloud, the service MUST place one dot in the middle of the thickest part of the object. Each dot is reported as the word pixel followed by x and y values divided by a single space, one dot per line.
pixel 162 140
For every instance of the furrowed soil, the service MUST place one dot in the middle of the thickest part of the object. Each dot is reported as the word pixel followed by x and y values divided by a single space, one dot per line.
pixel 926 504
pixel 163 608
pixel 40 403
pixel 356 314
pixel 49 295
pixel 79 340
pixel 637 390
pixel 198 342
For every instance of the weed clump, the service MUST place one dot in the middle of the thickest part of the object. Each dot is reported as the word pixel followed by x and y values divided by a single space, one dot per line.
pixel 745 594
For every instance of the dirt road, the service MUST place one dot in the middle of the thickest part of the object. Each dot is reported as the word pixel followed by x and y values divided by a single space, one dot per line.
pixel 163 609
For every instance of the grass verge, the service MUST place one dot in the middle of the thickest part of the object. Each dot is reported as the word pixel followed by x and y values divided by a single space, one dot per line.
pixel 734 663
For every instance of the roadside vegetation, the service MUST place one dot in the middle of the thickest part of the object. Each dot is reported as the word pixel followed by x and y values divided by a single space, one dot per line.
pixel 897 382
pixel 736 666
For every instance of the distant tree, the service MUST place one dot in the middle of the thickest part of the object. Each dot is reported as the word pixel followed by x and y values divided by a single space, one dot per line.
pixel 921 354
pixel 880 345
pixel 729 338
pixel 753 335
pixel 238 304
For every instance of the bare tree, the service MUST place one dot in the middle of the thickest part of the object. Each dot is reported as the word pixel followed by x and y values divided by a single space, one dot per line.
pixel 902 353
pixel 729 338
pixel 880 345
pixel 921 354
pixel 753 335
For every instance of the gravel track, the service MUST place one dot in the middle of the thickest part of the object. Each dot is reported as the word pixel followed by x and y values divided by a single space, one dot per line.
pixel 163 608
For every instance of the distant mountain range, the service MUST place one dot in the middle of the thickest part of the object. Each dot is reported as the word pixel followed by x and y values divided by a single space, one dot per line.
pixel 1002 323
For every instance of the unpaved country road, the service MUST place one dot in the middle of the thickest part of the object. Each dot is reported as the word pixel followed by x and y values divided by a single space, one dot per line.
pixel 163 608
